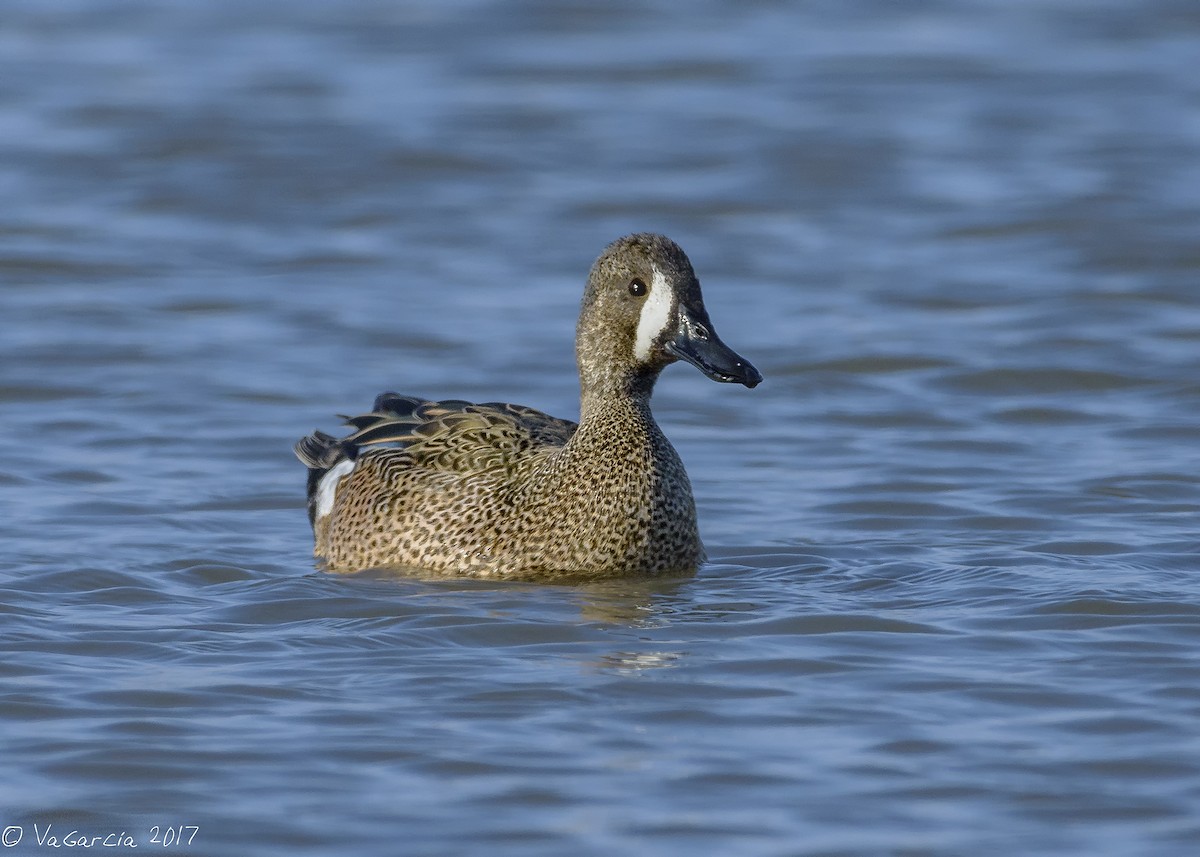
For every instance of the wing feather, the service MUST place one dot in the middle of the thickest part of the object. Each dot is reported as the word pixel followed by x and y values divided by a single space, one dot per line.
pixel 451 434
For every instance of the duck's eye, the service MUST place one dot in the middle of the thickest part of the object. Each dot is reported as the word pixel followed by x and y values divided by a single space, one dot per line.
pixel 637 288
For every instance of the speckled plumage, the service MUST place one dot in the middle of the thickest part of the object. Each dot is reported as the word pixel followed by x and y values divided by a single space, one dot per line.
pixel 499 490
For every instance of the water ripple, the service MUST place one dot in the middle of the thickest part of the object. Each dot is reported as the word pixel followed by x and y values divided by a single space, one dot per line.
pixel 951 604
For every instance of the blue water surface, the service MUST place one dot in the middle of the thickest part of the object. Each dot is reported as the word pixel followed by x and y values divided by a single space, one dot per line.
pixel 951 607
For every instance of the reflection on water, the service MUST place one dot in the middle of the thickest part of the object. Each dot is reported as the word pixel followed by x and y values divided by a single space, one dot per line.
pixel 636 604
pixel 951 608
pixel 632 663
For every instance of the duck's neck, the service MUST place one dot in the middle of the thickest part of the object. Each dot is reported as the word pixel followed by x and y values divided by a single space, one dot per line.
pixel 629 393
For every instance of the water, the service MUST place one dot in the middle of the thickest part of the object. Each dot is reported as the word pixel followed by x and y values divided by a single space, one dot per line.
pixel 951 607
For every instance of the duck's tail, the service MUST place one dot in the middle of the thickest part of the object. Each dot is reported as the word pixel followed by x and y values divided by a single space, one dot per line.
pixel 390 421
pixel 320 453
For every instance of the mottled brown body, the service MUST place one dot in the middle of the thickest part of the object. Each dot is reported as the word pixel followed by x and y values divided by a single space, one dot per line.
pixel 614 500
pixel 503 491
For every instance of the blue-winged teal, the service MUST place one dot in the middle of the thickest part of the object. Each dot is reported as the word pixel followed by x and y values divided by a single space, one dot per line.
pixel 503 491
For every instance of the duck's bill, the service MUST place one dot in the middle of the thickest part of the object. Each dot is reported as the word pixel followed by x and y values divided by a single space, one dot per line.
pixel 697 343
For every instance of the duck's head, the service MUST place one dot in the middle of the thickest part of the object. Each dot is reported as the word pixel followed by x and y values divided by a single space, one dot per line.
pixel 642 310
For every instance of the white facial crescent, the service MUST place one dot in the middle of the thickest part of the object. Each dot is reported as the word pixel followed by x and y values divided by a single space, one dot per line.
pixel 656 316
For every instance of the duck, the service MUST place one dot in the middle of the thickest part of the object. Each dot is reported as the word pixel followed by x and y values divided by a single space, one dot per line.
pixel 504 491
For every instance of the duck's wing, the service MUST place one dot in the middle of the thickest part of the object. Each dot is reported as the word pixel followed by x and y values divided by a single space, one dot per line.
pixel 448 435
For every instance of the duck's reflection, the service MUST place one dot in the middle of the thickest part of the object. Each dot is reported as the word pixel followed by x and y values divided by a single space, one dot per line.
pixel 632 663
pixel 636 606
pixel 627 611
pixel 647 603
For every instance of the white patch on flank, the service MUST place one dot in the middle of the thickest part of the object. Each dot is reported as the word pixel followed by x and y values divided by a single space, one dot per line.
pixel 327 487
pixel 656 315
